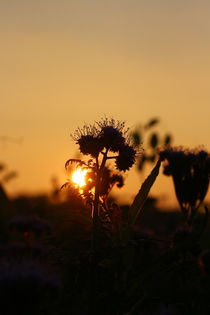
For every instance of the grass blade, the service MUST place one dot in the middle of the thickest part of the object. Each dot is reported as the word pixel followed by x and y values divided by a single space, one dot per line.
pixel 143 193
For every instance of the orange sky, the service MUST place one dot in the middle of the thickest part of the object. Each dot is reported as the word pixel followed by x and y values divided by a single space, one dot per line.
pixel 67 62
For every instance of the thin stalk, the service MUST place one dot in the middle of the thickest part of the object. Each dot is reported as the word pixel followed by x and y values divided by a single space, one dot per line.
pixel 95 229
pixel 96 201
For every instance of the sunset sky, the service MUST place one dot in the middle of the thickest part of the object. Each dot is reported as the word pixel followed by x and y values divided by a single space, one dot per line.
pixel 65 62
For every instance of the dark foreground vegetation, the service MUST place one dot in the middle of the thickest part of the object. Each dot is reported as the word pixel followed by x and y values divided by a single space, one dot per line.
pixel 85 254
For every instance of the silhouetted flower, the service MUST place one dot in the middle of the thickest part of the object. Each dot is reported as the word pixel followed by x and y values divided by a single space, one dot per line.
pixel 126 158
pixel 105 136
pixel 90 145
pixel 88 140
pixel 112 134
pixel 101 140
pixel 190 171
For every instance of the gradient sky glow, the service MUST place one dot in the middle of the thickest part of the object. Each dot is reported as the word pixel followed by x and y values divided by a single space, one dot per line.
pixel 67 62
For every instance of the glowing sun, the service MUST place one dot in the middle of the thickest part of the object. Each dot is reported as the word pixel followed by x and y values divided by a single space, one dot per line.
pixel 79 177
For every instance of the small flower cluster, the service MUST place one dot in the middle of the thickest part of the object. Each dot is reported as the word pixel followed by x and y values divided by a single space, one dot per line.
pixel 190 171
pixel 107 135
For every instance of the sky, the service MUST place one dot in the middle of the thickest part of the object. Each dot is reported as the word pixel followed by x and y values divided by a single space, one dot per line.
pixel 65 63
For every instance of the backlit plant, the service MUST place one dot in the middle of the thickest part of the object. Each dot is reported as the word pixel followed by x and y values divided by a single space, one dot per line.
pixel 103 141
pixel 190 172
pixel 151 136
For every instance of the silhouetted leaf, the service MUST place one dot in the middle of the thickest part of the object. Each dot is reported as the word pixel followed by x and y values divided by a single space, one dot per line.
pixel 153 140
pixel 151 123
pixel 79 162
pixel 167 140
pixel 65 185
pixel 137 138
pixel 141 162
pixel 143 193
pixel 152 158
pixel 71 188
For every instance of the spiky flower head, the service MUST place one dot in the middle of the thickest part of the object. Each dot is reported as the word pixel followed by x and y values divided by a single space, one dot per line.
pixel 112 134
pixel 107 135
pixel 190 170
pixel 126 158
pixel 88 140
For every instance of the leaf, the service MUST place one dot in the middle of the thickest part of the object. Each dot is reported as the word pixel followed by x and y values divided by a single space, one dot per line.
pixel 167 140
pixel 137 138
pixel 141 162
pixel 152 158
pixel 151 123
pixel 153 140
pixel 65 185
pixel 143 193
pixel 70 161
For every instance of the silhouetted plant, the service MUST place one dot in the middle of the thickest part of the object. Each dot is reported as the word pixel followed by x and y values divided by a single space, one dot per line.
pixel 151 140
pixel 110 179
pixel 108 140
pixel 105 140
pixel 190 170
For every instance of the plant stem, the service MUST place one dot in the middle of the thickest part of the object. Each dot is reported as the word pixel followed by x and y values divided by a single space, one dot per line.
pixel 95 236
pixel 96 201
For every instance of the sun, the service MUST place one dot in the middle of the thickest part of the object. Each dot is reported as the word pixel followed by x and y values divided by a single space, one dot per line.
pixel 79 177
